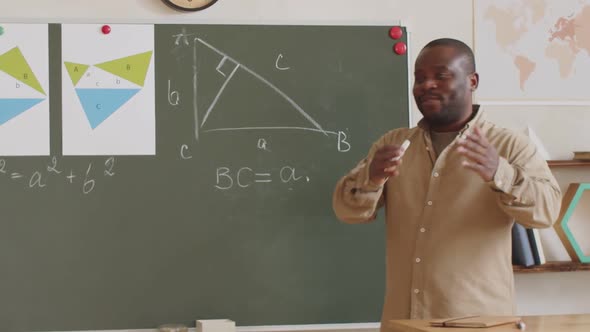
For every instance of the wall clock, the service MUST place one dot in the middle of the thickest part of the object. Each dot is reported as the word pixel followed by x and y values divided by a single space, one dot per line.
pixel 189 5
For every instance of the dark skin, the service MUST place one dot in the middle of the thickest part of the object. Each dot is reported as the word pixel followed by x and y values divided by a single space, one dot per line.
pixel 443 87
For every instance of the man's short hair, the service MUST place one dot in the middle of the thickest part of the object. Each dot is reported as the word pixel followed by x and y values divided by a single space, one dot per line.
pixel 460 47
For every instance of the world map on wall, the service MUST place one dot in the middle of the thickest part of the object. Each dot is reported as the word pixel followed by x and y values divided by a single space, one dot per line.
pixel 533 49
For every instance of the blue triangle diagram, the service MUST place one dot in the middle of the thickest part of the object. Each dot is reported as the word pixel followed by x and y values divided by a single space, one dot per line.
pixel 10 108
pixel 99 104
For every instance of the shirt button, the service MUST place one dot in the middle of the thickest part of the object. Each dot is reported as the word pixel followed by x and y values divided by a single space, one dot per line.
pixel 429 203
pixel 422 230
pixel 435 174
pixel 418 260
pixel 427 149
pixel 416 291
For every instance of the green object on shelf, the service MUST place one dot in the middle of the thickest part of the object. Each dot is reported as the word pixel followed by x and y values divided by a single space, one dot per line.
pixel 573 222
pixel 1 30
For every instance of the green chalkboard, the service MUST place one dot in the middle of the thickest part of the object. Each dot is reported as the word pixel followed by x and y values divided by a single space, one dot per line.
pixel 232 217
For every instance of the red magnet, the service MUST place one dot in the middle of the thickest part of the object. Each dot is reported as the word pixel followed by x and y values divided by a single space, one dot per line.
pixel 400 48
pixel 396 32
pixel 106 29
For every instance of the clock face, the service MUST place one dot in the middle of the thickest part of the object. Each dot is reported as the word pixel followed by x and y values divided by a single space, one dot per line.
pixel 189 5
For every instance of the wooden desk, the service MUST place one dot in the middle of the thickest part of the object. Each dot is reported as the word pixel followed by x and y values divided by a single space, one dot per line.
pixel 552 323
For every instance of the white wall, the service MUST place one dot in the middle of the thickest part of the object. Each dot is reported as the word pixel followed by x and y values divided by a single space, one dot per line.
pixel 562 129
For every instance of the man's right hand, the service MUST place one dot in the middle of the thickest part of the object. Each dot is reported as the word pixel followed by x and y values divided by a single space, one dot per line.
pixel 384 164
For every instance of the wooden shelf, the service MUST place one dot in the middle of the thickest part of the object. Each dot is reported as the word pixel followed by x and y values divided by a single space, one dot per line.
pixel 566 163
pixel 553 267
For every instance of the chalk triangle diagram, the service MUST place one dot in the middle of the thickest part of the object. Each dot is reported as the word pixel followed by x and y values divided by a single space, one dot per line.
pixel 76 71
pixel 14 64
pixel 99 104
pixel 231 96
pixel 132 68
pixel 12 107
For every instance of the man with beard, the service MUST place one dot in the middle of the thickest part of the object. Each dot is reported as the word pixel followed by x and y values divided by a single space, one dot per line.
pixel 451 204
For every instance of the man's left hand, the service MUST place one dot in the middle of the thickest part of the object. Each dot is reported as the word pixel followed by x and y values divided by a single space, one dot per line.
pixel 481 156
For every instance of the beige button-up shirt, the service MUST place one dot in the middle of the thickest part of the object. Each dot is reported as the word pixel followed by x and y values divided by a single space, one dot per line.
pixel 448 249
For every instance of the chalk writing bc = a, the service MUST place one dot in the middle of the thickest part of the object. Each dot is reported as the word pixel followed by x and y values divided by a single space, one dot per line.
pixel 246 177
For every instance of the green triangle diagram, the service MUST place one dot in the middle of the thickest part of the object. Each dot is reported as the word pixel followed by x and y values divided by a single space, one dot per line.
pixel 132 68
pixel 14 64
pixel 76 71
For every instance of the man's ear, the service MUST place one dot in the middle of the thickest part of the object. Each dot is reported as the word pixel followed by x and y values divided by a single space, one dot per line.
pixel 473 81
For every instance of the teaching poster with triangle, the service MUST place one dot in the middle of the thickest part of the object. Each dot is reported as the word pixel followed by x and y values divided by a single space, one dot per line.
pixel 108 90
pixel 24 90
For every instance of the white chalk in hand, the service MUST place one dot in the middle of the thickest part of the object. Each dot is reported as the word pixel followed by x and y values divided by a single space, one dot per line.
pixel 403 148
